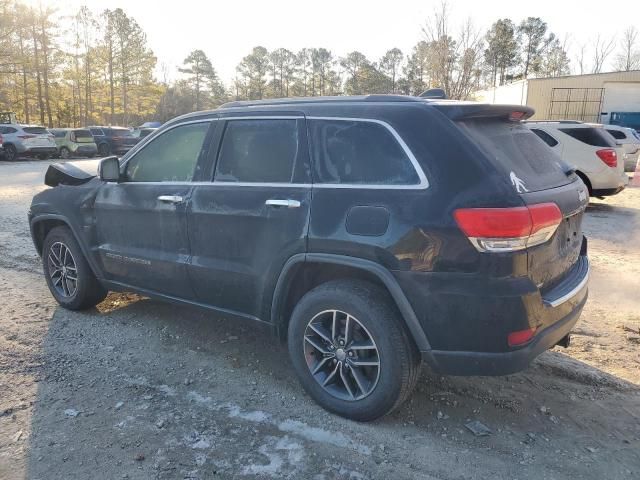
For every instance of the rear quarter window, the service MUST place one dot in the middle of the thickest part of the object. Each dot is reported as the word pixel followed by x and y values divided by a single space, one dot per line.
pixel 512 147
pixel 358 152
pixel 590 136
pixel 617 134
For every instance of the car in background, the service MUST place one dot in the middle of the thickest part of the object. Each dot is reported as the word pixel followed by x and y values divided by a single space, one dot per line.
pixel 113 140
pixel 629 140
pixel 1 149
pixel 74 142
pixel 625 119
pixel 589 150
pixel 141 132
pixel 27 140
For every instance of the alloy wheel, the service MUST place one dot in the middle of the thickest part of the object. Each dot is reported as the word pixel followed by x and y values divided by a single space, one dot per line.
pixel 63 270
pixel 341 355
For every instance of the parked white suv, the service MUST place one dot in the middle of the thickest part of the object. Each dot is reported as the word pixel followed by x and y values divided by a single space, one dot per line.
pixel 26 140
pixel 629 140
pixel 588 149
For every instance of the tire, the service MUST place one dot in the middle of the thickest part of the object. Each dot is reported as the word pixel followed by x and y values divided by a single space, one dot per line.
pixel 86 291
pixel 44 156
pixel 103 150
pixel 91 155
pixel 10 153
pixel 65 154
pixel 372 314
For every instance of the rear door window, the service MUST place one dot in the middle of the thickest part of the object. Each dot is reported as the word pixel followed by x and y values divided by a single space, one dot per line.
pixel 513 148
pixel 259 151
pixel 590 136
pixel 358 152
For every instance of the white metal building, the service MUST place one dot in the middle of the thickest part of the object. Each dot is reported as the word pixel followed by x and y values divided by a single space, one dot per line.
pixel 590 98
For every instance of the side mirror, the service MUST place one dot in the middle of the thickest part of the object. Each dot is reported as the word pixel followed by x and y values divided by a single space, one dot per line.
pixel 109 169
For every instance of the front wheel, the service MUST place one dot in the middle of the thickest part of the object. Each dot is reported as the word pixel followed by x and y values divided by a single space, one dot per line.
pixel 68 275
pixel 351 350
pixel 65 153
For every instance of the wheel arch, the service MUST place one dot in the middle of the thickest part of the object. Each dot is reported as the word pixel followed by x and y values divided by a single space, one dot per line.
pixel 41 225
pixel 585 180
pixel 303 272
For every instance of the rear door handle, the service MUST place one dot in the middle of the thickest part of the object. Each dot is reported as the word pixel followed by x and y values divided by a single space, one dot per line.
pixel 282 203
pixel 171 198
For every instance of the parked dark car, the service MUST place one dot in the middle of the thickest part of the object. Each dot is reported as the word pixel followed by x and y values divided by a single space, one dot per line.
pixel 113 140
pixel 371 233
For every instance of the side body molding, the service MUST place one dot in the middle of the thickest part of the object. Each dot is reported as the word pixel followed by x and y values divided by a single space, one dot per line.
pixel 384 275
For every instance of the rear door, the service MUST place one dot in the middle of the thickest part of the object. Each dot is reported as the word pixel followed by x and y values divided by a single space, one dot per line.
pixel 537 175
pixel 141 222
pixel 254 216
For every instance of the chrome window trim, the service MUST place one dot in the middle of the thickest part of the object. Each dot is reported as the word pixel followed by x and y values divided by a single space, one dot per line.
pixel 140 145
pixel 424 183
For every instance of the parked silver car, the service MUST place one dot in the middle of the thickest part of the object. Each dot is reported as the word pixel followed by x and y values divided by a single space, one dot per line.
pixel 27 140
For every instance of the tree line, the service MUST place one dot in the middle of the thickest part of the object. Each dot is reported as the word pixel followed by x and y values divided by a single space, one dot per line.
pixel 97 67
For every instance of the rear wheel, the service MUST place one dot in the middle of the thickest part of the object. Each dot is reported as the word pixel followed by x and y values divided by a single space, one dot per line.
pixel 350 350
pixel 65 153
pixel 68 275
pixel 10 153
pixel 43 156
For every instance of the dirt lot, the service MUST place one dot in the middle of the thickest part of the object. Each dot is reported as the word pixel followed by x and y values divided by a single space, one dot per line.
pixel 142 390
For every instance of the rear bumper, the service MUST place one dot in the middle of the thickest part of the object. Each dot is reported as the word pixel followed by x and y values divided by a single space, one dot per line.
pixel 31 151
pixel 503 363
pixel 607 192
pixel 468 326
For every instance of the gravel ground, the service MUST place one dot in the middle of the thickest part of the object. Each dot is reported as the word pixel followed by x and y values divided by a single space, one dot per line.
pixel 138 389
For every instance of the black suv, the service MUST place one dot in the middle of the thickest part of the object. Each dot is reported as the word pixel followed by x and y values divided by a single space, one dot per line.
pixel 371 233
pixel 113 140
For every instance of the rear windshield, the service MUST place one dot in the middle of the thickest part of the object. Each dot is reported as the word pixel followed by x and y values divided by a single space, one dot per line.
pixel 35 130
pixel 513 148
pixel 82 133
pixel 121 132
pixel 590 136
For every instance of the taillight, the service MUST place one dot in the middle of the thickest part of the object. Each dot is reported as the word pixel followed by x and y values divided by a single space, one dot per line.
pixel 608 156
pixel 520 337
pixel 509 229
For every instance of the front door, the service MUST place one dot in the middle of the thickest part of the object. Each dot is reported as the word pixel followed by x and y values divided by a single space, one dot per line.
pixel 254 215
pixel 141 221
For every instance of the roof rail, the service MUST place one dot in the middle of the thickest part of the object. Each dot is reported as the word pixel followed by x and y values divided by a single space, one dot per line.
pixel 334 99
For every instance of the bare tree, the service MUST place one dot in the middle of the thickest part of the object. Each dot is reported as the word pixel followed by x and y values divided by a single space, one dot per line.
pixel 629 56
pixel 602 48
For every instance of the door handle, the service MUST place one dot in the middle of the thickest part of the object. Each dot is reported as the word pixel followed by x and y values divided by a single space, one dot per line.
pixel 171 198
pixel 282 203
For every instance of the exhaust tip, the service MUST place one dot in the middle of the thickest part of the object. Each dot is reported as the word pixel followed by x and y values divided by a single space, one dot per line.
pixel 565 341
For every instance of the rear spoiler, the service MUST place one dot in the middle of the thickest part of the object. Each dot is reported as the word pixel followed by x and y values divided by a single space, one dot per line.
pixel 473 110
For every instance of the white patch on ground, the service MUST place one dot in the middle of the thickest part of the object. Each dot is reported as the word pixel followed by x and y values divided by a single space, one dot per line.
pixel 280 452
pixel 167 390
pixel 200 459
pixel 196 397
pixel 322 436
pixel 253 416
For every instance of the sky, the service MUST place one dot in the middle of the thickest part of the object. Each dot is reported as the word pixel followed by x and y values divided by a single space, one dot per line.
pixel 228 30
